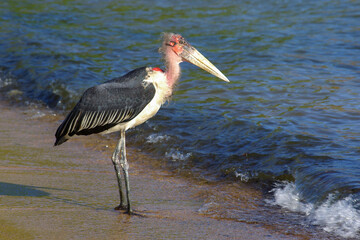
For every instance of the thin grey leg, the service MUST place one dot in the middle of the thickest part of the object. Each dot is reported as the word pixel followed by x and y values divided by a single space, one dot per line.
pixel 125 167
pixel 116 162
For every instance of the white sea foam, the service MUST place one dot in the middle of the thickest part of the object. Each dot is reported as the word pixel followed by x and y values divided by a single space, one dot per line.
pixel 177 156
pixel 244 177
pixel 5 81
pixel 37 114
pixel 207 207
pixel 339 217
pixel 155 138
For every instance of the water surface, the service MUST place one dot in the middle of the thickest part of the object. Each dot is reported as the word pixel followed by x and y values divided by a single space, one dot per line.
pixel 290 113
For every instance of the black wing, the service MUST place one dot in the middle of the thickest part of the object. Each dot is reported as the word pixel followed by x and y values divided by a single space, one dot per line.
pixel 106 105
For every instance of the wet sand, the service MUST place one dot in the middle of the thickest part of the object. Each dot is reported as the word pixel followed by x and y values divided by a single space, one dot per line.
pixel 69 192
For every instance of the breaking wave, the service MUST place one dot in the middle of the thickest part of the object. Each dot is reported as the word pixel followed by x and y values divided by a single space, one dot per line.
pixel 336 216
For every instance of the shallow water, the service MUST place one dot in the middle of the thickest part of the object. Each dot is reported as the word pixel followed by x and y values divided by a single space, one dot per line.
pixel 69 192
pixel 290 113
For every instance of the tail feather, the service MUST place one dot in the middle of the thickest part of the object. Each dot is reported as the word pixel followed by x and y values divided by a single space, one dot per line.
pixel 60 140
pixel 67 127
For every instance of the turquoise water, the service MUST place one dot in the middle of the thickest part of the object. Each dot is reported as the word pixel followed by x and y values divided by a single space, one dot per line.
pixel 290 113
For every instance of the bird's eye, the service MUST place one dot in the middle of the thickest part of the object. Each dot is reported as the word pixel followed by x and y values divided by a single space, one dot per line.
pixel 171 43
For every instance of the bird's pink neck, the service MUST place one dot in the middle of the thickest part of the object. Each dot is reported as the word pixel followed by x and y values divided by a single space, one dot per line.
pixel 172 72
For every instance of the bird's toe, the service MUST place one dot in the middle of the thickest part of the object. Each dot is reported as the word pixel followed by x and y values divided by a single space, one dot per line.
pixel 121 207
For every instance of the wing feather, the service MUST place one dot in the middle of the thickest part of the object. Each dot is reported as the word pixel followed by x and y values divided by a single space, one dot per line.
pixel 107 105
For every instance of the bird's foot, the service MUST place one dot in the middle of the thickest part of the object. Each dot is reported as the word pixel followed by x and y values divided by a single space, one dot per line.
pixel 129 211
pixel 121 207
pixel 134 213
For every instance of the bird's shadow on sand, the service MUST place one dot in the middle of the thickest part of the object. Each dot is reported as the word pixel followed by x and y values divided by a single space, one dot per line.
pixel 17 190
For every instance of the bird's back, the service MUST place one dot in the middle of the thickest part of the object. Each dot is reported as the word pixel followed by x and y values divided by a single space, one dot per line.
pixel 106 105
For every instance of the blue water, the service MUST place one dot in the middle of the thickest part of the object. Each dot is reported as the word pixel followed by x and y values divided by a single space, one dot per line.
pixel 291 112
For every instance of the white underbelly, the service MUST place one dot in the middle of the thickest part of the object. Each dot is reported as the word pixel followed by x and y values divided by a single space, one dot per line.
pixel 161 93
pixel 148 112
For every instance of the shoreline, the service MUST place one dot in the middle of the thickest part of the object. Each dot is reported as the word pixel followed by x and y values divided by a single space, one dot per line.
pixel 70 191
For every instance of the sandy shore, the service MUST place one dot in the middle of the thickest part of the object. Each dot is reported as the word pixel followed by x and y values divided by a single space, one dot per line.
pixel 69 192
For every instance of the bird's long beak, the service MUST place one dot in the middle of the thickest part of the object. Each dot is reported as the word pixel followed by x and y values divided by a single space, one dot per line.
pixel 193 56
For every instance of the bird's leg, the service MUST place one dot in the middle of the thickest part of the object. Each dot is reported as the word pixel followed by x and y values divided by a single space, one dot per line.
pixel 125 166
pixel 116 162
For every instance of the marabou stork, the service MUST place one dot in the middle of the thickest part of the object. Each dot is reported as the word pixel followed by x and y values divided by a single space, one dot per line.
pixel 130 100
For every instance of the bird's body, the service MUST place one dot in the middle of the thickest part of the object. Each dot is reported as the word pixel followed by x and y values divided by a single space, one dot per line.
pixel 125 102
pixel 118 104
